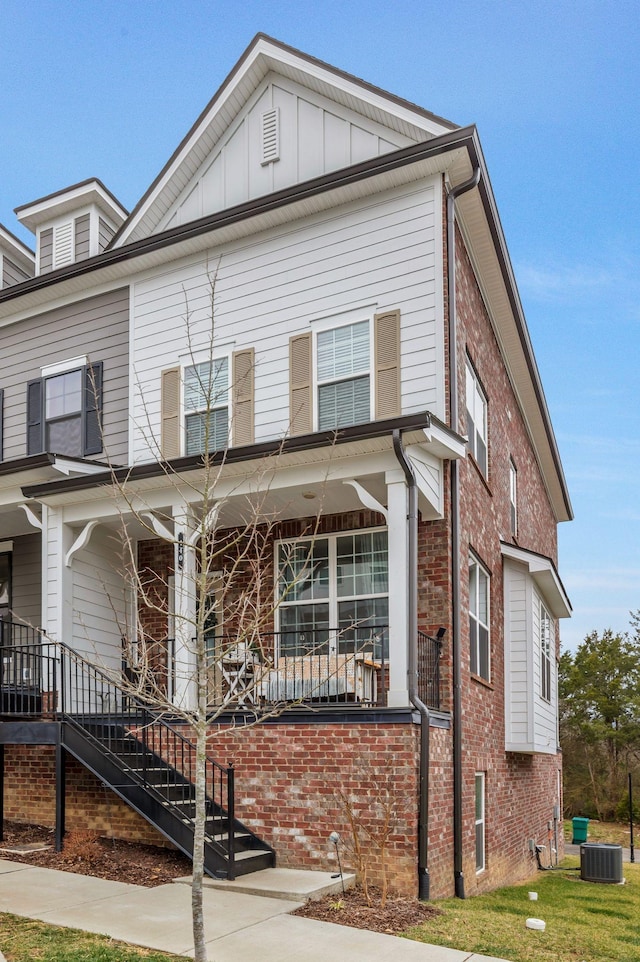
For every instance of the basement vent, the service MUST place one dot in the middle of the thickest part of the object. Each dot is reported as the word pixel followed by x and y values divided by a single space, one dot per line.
pixel 270 135
pixel 600 862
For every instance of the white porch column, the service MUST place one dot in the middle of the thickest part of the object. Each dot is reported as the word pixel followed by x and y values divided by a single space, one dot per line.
pixel 397 502
pixel 57 576
pixel 184 690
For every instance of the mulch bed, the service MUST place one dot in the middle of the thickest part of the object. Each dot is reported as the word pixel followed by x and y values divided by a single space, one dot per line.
pixel 87 854
pixel 398 915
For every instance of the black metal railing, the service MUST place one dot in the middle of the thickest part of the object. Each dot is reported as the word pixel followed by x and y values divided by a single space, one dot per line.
pixel 429 652
pixel 321 666
pixel 52 680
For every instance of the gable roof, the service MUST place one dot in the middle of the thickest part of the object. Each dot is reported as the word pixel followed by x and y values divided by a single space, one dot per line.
pixel 263 56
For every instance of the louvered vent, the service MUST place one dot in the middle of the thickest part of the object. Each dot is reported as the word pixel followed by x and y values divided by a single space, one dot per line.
pixel 63 244
pixel 270 135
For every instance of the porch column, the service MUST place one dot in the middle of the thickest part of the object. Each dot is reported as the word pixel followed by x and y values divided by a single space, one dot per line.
pixel 184 692
pixel 397 505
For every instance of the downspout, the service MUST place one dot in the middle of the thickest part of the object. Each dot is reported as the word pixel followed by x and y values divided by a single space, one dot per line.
pixel 412 668
pixel 455 535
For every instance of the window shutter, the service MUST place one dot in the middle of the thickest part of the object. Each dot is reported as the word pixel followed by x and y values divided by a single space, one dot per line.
pixel 387 364
pixel 300 382
pixel 242 429
pixel 35 444
pixel 1 425
pixel 170 413
pixel 92 409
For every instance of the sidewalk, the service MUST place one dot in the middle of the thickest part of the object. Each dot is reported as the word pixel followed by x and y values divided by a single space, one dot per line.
pixel 237 925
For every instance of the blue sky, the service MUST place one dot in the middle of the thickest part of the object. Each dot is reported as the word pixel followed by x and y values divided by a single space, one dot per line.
pixel 109 88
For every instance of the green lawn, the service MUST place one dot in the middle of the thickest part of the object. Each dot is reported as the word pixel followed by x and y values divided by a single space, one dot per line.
pixel 614 833
pixel 585 921
pixel 24 940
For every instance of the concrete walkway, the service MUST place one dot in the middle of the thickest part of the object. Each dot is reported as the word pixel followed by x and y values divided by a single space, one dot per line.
pixel 238 925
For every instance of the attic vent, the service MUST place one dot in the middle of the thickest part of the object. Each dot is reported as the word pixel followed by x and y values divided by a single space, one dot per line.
pixel 270 135
pixel 63 244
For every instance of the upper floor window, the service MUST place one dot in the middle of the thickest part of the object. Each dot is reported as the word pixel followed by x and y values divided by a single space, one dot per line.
pixel 64 410
pixel 346 374
pixel 343 357
pixel 476 419
pixel 513 498
pixel 334 594
pixel 545 653
pixel 479 618
pixel 206 406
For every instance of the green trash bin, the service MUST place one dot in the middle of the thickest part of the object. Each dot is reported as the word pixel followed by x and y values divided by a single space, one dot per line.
pixel 579 830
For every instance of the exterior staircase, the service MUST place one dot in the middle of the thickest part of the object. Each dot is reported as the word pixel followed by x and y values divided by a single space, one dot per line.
pixel 147 762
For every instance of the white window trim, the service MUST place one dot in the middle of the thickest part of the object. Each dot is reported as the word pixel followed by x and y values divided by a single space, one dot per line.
pixel 64 367
pixel 478 392
pixel 473 559
pixel 481 776
pixel 347 319
pixel 333 600
pixel 192 360
pixel 513 497
pixel 544 617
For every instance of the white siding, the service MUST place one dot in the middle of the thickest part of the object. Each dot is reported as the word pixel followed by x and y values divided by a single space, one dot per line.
pixel 379 254
pixel 530 722
pixel 99 600
pixel 316 136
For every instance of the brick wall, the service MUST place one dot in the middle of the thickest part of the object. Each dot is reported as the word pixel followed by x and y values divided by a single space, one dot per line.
pixel 520 789
pixel 30 797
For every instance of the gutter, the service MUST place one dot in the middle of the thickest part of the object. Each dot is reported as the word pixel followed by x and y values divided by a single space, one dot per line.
pixel 455 534
pixel 412 669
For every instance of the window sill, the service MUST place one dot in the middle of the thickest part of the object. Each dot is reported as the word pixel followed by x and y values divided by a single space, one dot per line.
pixel 482 681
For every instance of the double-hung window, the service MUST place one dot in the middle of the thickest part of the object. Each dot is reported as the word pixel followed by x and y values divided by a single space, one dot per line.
pixel 343 369
pixel 64 410
pixel 333 594
pixel 513 498
pixel 476 419
pixel 206 405
pixel 545 653
pixel 479 619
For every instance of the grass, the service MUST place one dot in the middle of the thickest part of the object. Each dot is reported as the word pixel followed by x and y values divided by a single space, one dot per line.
pixel 614 833
pixel 585 921
pixel 24 940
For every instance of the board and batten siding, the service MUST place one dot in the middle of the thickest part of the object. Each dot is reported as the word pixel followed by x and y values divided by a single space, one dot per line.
pixel 26 584
pixel 369 256
pixel 530 722
pixel 314 136
pixel 97 328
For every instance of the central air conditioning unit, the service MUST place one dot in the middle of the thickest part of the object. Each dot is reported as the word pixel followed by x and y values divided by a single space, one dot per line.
pixel 600 862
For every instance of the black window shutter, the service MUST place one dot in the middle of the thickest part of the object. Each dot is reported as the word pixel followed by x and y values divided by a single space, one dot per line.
pixel 92 409
pixel 1 425
pixel 35 441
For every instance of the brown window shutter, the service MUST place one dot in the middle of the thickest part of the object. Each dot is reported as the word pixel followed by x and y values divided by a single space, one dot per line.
pixel 170 413
pixel 387 364
pixel 242 428
pixel 300 384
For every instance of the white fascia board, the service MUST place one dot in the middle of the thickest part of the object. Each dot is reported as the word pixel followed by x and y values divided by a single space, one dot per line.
pixel 68 201
pixel 444 444
pixel 69 467
pixel 544 574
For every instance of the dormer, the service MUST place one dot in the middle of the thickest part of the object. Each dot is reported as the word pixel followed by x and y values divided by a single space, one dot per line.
pixel 17 262
pixel 72 224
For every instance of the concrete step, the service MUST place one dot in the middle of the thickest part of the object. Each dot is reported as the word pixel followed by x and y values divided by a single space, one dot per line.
pixel 297 885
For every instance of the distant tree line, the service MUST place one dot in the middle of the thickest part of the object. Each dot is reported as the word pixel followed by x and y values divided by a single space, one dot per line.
pixel 599 686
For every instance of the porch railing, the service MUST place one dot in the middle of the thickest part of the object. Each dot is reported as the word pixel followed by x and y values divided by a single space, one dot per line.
pixel 429 653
